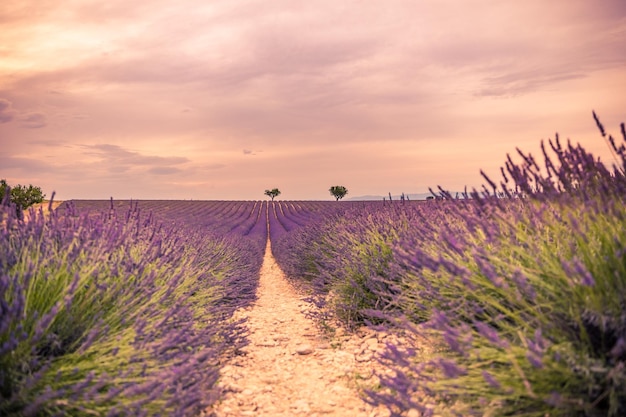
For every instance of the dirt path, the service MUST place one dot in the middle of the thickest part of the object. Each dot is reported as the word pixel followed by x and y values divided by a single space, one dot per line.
pixel 290 367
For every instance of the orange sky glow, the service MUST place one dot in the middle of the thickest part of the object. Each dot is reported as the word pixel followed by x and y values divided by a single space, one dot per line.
pixel 220 100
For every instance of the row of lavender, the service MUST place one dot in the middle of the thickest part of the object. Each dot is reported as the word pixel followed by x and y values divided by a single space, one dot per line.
pixel 287 217
pixel 291 223
pixel 507 306
pixel 123 308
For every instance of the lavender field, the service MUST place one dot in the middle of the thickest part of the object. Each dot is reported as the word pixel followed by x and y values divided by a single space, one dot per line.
pixel 119 308
pixel 510 301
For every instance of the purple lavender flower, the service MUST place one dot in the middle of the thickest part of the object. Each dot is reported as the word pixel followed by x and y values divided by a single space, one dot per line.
pixel 489 378
pixel 450 368
pixel 490 334
pixel 534 359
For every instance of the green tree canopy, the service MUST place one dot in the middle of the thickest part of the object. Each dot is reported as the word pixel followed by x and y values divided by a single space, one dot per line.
pixel 20 195
pixel 272 193
pixel 338 191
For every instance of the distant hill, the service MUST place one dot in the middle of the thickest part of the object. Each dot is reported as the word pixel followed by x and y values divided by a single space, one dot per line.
pixel 411 196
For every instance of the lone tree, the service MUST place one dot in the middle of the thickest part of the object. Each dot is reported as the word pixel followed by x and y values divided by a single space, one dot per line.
pixel 272 193
pixel 20 195
pixel 338 191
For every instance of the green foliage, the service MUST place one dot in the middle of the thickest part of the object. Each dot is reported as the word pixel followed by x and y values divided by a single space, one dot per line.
pixel 3 188
pixel 357 290
pixel 338 191
pixel 274 192
pixel 22 196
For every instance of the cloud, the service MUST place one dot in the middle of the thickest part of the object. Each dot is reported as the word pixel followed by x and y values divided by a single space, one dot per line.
pixel 118 160
pixel 214 166
pixel 164 170
pixel 285 71
pixel 40 167
pixel 50 143
pixel 118 154
pixel 524 81
pixel 23 164
pixel 33 120
pixel 7 113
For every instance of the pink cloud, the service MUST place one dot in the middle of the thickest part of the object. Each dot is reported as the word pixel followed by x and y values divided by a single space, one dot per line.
pixel 33 120
pixel 7 114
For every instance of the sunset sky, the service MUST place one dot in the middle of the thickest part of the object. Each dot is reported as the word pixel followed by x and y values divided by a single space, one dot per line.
pixel 184 99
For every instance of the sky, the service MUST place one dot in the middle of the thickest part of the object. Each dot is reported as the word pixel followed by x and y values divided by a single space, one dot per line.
pixel 221 100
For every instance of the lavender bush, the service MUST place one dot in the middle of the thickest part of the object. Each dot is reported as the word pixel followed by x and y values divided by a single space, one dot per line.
pixel 107 314
pixel 355 266
pixel 517 306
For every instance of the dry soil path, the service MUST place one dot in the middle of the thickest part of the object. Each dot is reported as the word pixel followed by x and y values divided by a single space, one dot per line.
pixel 291 367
